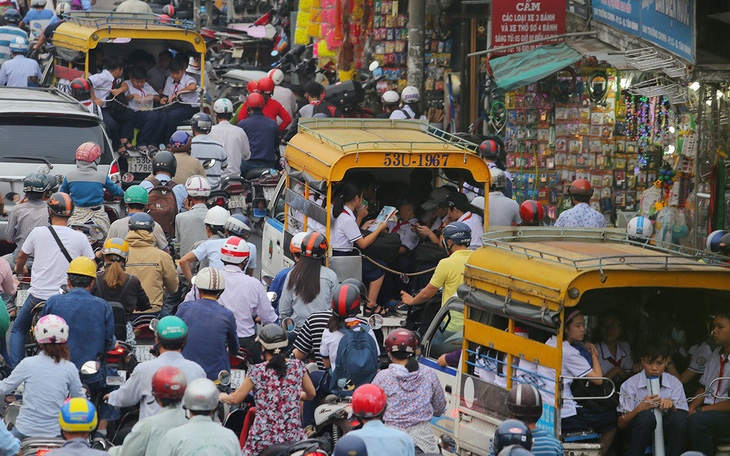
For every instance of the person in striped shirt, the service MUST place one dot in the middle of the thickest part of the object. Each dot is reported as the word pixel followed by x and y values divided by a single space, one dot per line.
pixel 524 403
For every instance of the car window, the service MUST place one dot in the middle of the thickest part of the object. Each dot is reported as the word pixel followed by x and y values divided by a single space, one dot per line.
pixel 449 335
pixel 52 138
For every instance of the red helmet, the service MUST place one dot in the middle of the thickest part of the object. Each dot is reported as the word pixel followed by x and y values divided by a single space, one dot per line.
pixel 266 85
pixel 401 340
pixel 61 204
pixel 532 212
pixel 346 301
pixel 314 245
pixel 88 152
pixel 252 87
pixel 489 149
pixel 169 383
pixel 368 401
pixel 255 100
pixel 581 187
pixel 81 89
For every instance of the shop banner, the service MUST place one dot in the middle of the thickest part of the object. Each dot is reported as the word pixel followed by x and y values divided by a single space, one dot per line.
pixel 517 21
pixel 666 23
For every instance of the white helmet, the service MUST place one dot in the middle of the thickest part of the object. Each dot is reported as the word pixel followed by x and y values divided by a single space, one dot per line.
pixel 197 186
pixel 391 97
pixel 19 45
pixel 37 3
pixel 499 178
pixel 210 279
pixel 295 246
pixel 62 7
pixel 216 216
pixel 235 250
pixel 640 227
pixel 201 395
pixel 277 76
pixel 223 106
pixel 410 95
pixel 51 329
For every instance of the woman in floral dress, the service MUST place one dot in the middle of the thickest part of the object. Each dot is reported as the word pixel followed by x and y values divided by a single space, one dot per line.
pixel 278 385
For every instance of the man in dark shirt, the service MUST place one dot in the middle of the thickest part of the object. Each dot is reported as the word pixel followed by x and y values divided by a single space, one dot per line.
pixel 263 136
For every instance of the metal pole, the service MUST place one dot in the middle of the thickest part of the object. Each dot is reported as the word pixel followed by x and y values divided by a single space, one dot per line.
pixel 549 38
pixel 698 148
pixel 416 26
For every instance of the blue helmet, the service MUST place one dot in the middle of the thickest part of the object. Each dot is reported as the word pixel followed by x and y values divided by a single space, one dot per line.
pixel 12 16
pixel 141 221
pixel 180 141
pixel 458 232
pixel 512 432
pixel 350 445
pixel 18 45
pixel 238 225
pixel 202 122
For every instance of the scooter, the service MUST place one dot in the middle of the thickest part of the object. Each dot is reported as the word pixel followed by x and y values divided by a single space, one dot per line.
pixel 261 186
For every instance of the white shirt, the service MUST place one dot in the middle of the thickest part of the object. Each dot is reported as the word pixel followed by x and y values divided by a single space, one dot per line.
pixel 331 342
pixel 408 238
pixel 405 113
pixel 145 92
pixel 699 354
pixel 622 358
pixel 439 224
pixel 235 144
pixel 717 366
pixel 636 388
pixel 172 87
pixel 134 6
pixel 574 365
pixel 16 71
pixel 286 98
pixel 345 231
pixel 102 84
pixel 477 229
pixel 49 264
pixel 503 211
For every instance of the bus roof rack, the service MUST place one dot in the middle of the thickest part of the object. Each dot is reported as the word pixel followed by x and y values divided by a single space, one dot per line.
pixel 103 19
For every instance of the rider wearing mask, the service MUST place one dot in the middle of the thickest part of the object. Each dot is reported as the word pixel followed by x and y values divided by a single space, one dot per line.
pixel 170 337
pixel 49 378
pixel 136 199
pixel 91 326
pixel 278 384
pixel 211 327
pixel 31 213
pixel 208 253
pixel 52 247
pixel 78 420
pixel 168 387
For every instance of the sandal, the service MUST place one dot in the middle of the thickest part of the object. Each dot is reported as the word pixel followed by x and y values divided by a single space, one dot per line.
pixel 372 310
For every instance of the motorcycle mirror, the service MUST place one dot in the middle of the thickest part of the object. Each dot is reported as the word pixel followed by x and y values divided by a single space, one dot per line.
pixel 375 321
pixel 153 324
pixel 128 178
pixel 207 164
pixel 272 295
pixel 224 377
pixel 274 53
pixel 288 324
pixel 90 367
pixel 96 233
pixel 374 65
pixel 266 281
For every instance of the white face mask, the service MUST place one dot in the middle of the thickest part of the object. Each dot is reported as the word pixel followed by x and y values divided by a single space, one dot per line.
pixel 679 337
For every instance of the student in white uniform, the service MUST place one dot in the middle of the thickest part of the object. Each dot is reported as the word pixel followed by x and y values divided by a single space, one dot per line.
pixel 459 210
pixel 613 353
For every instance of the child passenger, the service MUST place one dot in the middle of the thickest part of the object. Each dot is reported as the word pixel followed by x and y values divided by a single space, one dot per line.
pixel 141 97
pixel 637 405
pixel 178 82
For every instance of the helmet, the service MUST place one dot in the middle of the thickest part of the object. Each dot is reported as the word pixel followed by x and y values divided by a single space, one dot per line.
pixel 223 106
pixel 141 221
pixel 88 152
pixel 266 85
pixel 346 300
pixel 532 212
pixel 202 122
pixel 276 76
pixel 12 16
pixel 255 100
pixel 410 95
pixel 169 10
pixel 164 18
pixel 724 245
pixel 210 279
pixel 235 250
pixel 61 205
pixel 512 432
pixel 116 246
pixel 180 141
pixel 391 98
pixel 37 3
pixel 80 87
pixel 197 186
pixel 368 401
pixel 164 161
pixel 238 225
pixel 82 266
pixel 252 87
pixel 62 8
pixel 51 329
pixel 458 232
pixel 314 245
pixel 401 340
pixel 295 246
pixel 36 182
pixel 350 445
pixel 713 240
pixel 171 328
pixel 640 227
pixel 515 450
pixel 201 395
pixel 216 216
pixel 524 402
pixel 77 415
pixel 580 187
pixel 489 149
pixel 136 194
pixel 19 45
pixel 272 337
pixel 499 178
pixel 360 286
pixel 169 382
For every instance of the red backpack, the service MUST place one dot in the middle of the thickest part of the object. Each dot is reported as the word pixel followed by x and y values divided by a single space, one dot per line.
pixel 162 205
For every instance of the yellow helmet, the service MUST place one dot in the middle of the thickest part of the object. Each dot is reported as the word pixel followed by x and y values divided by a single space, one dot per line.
pixel 77 415
pixel 116 246
pixel 82 266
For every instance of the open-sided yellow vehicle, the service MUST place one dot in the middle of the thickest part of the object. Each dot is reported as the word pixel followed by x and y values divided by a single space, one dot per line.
pixel 533 278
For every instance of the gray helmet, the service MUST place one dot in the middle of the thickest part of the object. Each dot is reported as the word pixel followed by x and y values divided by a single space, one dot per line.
pixel 202 122
pixel 273 337
pixel 141 221
pixel 458 233
pixel 37 183
pixel 499 178
pixel 201 395
pixel 360 286
pixel 164 161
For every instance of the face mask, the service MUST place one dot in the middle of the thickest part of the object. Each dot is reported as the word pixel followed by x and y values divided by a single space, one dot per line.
pixel 678 336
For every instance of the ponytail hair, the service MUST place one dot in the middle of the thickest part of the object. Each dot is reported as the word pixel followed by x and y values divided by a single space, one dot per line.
pixel 114 275
pixel 335 322
pixel 348 192
pixel 411 365
pixel 277 363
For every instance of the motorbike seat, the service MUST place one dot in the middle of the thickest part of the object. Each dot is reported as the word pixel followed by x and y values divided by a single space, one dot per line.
pixel 120 320
pixel 255 173
pixel 277 449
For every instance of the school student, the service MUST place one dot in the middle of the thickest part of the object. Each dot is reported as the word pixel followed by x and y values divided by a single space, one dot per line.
pixel 187 103
pixel 141 97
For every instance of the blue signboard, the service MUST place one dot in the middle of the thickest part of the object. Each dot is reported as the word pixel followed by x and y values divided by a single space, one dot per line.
pixel 666 23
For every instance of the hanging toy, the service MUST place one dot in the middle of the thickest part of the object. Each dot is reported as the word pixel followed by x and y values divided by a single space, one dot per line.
pixel 667 177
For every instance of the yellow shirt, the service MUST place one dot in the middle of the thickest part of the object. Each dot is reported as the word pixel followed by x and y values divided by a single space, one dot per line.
pixel 449 274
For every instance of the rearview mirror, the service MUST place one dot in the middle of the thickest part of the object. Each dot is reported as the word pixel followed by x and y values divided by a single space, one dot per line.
pixel 90 367
pixel 224 377
pixel 207 164
pixel 153 325
pixel 374 65
pixel 288 324
pixel 375 321
pixel 271 295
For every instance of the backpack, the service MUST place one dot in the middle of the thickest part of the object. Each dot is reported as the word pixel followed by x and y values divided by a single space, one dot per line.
pixel 324 109
pixel 357 361
pixel 162 205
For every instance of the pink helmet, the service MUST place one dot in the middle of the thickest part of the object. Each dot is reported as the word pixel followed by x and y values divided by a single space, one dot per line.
pixel 51 329
pixel 88 152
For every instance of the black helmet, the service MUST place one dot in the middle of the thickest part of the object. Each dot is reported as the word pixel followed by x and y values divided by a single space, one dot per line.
pixel 360 286
pixel 524 402
pixel 314 245
pixel 164 161
pixel 202 122
pixel 273 338
pixel 515 450
pixel 61 205
pixel 12 16
pixel 346 301
pixel 512 432
pixel 458 233
pixel 37 183
pixel 81 89
pixel 141 221
pixel 723 246
pixel 350 445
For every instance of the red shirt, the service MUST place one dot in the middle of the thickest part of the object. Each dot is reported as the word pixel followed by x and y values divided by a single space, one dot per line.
pixel 272 110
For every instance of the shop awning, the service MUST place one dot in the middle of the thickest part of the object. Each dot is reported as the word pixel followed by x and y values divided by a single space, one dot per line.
pixel 517 70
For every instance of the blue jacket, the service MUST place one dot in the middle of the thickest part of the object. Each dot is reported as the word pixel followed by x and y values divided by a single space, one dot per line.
pixel 277 286
pixel 211 328
pixel 86 185
pixel 263 136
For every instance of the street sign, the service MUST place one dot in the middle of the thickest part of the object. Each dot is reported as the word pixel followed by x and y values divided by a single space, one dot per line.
pixel 518 21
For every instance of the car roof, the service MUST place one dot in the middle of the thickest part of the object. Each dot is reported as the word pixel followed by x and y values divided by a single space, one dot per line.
pixel 32 100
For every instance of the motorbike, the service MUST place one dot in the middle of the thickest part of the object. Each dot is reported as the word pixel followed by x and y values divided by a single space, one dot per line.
pixel 309 447
pixel 357 99
pixel 38 446
pixel 231 195
pixel 333 418
pixel 260 186
pixel 144 334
